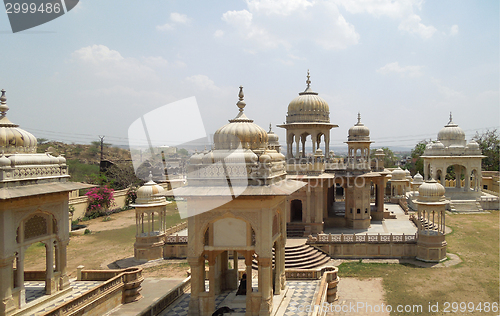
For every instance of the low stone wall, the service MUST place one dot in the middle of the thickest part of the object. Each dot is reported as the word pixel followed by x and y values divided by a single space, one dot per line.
pixel 158 306
pixel 175 246
pixel 80 203
pixel 123 287
pixel 490 203
pixel 366 246
pixel 307 274
pixel 327 292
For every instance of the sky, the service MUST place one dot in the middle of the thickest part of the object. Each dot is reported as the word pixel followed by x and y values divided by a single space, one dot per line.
pixel 404 65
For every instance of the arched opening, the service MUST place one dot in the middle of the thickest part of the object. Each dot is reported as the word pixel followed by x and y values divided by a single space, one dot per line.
pixel 296 211
pixel 455 176
pixel 38 234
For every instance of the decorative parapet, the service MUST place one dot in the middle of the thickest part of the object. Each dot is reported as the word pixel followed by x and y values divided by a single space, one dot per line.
pixel 176 228
pixel 124 283
pixel 307 274
pixel 327 292
pixel 361 238
pixel 176 239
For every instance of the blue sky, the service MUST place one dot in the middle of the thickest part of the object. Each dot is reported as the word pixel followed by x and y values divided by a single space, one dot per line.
pixel 403 64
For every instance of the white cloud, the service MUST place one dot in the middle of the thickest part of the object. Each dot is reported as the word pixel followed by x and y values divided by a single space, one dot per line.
pixel 411 71
pixel 286 24
pixel 219 33
pixel 179 18
pixel 447 92
pixel 96 54
pixel 454 30
pixel 175 19
pixel 202 82
pixel 412 25
pixel 280 7
pixel 393 9
pixel 403 10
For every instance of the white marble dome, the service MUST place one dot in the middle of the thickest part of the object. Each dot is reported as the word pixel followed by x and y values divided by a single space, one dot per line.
pixel 240 131
pixel 431 190
pixel 418 178
pixel 452 135
pixel 398 174
pixel 145 194
pixel 12 138
pixel 359 132
pixel 308 107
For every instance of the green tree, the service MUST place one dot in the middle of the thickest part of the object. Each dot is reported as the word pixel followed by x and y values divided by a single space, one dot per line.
pixel 417 162
pixel 389 159
pixel 489 142
pixel 183 152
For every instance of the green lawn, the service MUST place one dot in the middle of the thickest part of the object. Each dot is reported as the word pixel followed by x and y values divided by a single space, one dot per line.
pixel 475 239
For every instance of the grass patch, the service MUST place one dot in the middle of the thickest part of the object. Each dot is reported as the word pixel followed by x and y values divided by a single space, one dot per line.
pixel 475 239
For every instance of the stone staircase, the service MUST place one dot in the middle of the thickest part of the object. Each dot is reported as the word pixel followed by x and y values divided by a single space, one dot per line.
pixel 301 257
pixel 293 230
pixel 463 206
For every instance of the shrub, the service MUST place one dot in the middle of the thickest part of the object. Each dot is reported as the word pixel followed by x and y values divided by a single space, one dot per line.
pixel 100 200
pixel 131 196
pixel 87 232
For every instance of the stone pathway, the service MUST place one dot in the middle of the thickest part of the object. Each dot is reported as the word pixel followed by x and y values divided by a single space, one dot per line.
pixel 302 295
pixel 35 291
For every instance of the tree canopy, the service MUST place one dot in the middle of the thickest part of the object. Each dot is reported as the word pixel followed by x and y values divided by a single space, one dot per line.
pixel 489 142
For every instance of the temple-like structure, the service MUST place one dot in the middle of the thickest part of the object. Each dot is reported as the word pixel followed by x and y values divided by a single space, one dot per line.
pixel 236 203
pixel 33 208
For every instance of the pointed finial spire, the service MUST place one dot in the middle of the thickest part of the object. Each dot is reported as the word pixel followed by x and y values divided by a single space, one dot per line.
pixel 308 81
pixel 359 117
pixel 451 119
pixel 3 104
pixel 150 176
pixel 270 127
pixel 241 104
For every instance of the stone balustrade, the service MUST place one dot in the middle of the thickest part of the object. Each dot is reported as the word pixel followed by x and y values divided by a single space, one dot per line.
pixel 120 287
pixel 361 238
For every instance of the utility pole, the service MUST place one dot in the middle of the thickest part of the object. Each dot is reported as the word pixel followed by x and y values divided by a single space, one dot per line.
pixel 102 146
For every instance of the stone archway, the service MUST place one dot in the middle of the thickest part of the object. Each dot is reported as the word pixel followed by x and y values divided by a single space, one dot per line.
pixel 296 211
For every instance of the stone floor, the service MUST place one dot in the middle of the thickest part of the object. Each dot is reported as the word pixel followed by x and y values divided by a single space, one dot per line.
pixel 302 293
pixel 400 225
pixel 35 293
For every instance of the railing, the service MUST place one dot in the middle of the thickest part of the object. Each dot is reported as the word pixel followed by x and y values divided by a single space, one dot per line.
pixel 176 228
pixel 361 238
pixel 176 239
pixel 327 292
pixel 491 192
pixel 306 274
pixel 128 281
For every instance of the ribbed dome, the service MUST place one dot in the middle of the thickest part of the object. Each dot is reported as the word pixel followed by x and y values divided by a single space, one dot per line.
pixel 240 130
pixel 145 194
pixel 359 132
pixel 451 135
pixel 418 178
pixel 398 174
pixel 308 107
pixel 272 139
pixel 473 145
pixel 12 138
pixel 431 190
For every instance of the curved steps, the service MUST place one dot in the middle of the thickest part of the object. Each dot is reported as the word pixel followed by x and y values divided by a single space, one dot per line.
pixel 301 257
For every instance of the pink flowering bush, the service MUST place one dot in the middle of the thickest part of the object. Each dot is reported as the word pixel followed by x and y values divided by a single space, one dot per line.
pixel 100 200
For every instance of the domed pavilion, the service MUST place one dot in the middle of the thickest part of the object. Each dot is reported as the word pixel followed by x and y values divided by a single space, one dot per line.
pixel 451 149
pixel 34 196
pixel 308 117
pixel 236 206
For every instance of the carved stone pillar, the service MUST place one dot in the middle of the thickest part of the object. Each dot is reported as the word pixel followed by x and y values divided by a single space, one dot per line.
pixel 265 275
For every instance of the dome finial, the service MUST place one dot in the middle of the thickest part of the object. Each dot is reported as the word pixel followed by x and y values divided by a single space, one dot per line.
pixel 241 104
pixel 451 119
pixel 270 127
pixel 359 117
pixel 308 81
pixel 150 177
pixel 3 104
